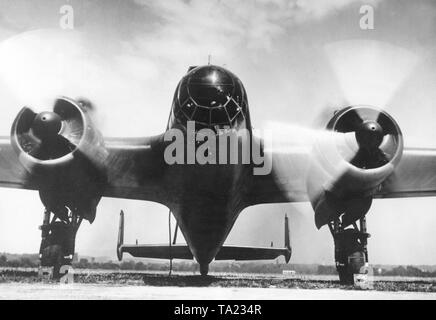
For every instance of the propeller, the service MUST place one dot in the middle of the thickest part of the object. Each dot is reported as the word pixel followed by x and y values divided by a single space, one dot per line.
pixel 375 132
pixel 369 71
pixel 49 135
pixel 356 137
pixel 295 145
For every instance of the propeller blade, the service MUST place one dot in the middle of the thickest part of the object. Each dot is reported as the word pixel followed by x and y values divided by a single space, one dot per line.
pixel 296 144
pixel 27 140
pixel 73 127
pixel 290 139
pixel 26 117
pixel 365 159
pixel 30 144
pixel 386 124
pixel 49 135
pixel 351 121
pixel 46 127
pixel 368 71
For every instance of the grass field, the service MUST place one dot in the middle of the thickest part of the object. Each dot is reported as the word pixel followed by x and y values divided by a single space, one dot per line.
pixel 219 280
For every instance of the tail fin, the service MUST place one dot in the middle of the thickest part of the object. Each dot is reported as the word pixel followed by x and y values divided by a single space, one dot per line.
pixel 287 240
pixel 120 237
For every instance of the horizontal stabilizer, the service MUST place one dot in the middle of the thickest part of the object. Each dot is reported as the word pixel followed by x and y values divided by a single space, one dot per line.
pixel 181 251
pixel 158 251
pixel 251 253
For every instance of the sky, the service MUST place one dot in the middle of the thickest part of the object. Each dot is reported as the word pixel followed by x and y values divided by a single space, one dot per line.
pixel 298 60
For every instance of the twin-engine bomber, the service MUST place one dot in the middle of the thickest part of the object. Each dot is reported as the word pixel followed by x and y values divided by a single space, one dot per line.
pixel 357 157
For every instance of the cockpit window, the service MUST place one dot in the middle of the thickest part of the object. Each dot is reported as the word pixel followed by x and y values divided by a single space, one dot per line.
pixel 211 75
pixel 202 115
pixel 210 96
pixel 188 108
pixel 232 109
pixel 219 115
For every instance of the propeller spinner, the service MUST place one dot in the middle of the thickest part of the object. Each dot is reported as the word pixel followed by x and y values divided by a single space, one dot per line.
pixel 46 125
pixel 369 135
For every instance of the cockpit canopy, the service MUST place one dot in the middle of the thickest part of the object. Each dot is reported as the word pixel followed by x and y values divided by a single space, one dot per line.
pixel 211 96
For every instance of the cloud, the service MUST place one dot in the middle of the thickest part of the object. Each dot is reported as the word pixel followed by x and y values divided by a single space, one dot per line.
pixel 39 65
pixel 8 24
pixel 316 9
pixel 254 24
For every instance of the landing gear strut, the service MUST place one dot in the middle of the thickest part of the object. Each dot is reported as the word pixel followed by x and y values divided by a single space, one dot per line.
pixel 58 237
pixel 351 252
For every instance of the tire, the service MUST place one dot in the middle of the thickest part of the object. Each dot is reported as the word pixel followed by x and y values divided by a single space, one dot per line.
pixel 356 261
pixel 53 256
pixel 350 255
pixel 345 276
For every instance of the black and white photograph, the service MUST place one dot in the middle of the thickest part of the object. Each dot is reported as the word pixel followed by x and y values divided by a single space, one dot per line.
pixel 217 150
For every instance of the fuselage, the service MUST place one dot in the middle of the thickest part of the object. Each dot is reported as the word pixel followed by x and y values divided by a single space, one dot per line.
pixel 207 197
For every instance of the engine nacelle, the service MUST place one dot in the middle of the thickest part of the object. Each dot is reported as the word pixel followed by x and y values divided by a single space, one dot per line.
pixel 360 150
pixel 64 154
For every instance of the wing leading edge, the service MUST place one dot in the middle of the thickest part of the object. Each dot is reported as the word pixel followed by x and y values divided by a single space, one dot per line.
pixel 12 173
pixel 415 176
pixel 134 167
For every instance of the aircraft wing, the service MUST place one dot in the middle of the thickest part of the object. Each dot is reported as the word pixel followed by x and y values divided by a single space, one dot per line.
pixel 276 187
pixel 12 173
pixel 134 167
pixel 286 182
pixel 415 176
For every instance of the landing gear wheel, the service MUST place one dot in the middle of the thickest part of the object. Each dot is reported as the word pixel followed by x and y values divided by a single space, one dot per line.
pixel 350 251
pixel 53 256
pixel 58 241
pixel 351 267
pixel 345 276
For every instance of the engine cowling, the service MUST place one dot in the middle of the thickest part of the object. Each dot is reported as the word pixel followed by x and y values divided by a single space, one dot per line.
pixel 64 154
pixel 363 146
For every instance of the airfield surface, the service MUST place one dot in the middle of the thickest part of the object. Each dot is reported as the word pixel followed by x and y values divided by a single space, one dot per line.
pixel 92 284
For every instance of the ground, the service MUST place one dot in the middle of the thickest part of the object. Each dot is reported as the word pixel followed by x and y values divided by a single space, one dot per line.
pixel 97 284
